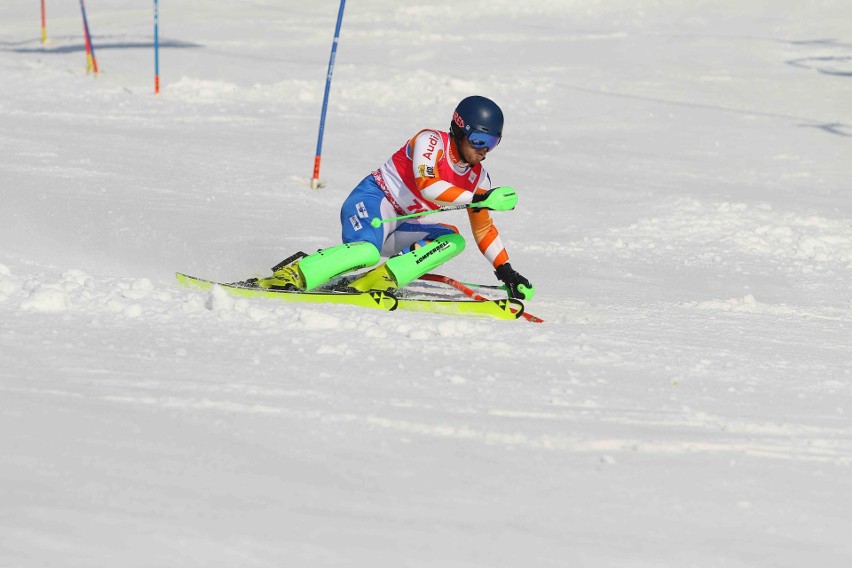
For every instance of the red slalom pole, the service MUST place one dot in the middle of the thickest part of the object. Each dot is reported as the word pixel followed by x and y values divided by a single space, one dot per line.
pixel 43 25
pixel 470 293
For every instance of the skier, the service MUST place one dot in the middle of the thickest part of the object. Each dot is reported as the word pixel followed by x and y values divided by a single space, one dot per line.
pixel 432 169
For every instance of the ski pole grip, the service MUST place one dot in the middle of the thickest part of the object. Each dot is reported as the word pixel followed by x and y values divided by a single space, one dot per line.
pixel 526 291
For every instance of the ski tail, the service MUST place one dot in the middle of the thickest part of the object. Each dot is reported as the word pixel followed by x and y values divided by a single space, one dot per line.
pixel 467 291
pixel 509 309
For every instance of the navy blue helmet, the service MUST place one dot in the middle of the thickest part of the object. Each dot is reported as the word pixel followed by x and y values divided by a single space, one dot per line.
pixel 479 120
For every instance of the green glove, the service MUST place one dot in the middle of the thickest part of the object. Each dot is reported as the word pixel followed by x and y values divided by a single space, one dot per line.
pixel 497 199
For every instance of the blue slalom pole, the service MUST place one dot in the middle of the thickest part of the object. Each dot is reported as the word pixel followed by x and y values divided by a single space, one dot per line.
pixel 156 47
pixel 315 181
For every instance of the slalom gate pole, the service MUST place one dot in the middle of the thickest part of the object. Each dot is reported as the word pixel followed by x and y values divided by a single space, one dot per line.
pixel 91 60
pixel 156 47
pixel 43 24
pixel 470 293
pixel 315 180
pixel 376 222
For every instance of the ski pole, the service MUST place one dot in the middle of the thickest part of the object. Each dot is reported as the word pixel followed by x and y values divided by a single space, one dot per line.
pixel 498 199
pixel 487 286
pixel 504 287
pixel 376 222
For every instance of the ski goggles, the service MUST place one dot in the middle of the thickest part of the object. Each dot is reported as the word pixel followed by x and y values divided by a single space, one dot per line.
pixel 479 140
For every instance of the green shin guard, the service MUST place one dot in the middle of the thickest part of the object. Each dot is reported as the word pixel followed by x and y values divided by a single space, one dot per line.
pixel 410 266
pixel 323 265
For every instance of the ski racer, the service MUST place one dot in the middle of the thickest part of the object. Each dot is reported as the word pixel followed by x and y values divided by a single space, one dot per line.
pixel 432 169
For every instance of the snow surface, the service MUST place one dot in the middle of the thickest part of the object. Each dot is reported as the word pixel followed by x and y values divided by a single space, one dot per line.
pixel 685 178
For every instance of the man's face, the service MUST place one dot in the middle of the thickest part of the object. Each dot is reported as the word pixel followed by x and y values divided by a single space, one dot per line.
pixel 470 154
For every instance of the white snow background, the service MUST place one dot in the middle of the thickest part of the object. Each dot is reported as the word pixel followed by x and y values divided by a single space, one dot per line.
pixel 685 178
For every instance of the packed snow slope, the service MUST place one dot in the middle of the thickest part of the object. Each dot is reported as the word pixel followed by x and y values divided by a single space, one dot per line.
pixel 685 178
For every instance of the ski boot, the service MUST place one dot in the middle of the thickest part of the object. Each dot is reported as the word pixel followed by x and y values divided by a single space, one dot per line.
pixel 286 275
pixel 380 279
pixel 303 272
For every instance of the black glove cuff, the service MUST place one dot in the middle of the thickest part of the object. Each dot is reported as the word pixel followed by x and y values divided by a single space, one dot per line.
pixel 504 272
